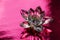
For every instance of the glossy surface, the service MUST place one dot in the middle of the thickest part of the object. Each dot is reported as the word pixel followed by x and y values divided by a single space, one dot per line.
pixel 10 17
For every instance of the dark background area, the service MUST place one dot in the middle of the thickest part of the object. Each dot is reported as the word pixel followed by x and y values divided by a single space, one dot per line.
pixel 55 26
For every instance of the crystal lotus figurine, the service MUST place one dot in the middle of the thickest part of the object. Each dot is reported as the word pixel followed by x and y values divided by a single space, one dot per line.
pixel 35 24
